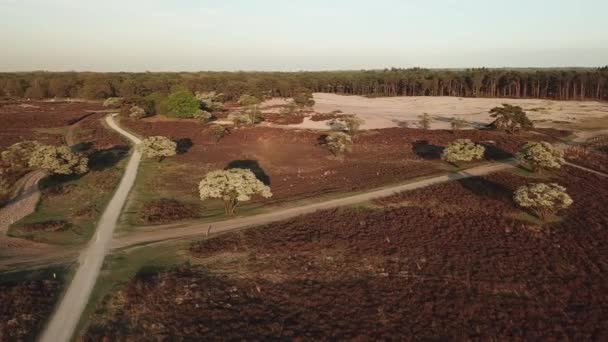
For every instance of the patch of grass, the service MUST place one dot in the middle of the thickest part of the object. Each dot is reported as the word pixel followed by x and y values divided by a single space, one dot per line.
pixel 120 267
pixel 78 200
pixel 60 272
pixel 52 130
pixel 146 190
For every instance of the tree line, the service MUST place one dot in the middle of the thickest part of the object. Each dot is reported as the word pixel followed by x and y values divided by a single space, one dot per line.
pixel 555 84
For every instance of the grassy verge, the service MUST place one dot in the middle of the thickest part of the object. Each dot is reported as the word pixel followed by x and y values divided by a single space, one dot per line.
pixel 69 208
pixel 120 267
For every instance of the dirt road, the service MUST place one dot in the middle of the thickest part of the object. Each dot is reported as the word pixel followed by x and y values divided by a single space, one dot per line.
pixel 64 320
pixel 181 231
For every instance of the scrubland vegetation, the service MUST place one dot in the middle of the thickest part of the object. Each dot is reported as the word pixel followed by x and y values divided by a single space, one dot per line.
pixel 457 260
pixel 498 256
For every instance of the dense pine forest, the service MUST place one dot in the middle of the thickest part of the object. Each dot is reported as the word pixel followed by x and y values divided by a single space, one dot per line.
pixel 557 84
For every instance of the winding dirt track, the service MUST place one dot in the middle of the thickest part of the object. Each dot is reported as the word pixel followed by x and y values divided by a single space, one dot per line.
pixel 65 318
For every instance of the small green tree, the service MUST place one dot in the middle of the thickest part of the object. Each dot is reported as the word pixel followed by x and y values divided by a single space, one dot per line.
pixel 338 142
pixel 510 118
pixel 17 156
pixel 425 121
pixel 543 199
pixel 462 150
pixel 232 186
pixel 182 104
pixel 540 155
pixel 218 131
pixel 158 147
pixel 58 160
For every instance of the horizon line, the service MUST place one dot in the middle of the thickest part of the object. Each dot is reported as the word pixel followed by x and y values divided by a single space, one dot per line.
pixel 299 70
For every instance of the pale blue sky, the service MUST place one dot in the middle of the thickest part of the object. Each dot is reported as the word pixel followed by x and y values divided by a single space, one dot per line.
pixel 174 35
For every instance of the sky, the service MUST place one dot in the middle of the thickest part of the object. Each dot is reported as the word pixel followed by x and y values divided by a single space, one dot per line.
pixel 291 35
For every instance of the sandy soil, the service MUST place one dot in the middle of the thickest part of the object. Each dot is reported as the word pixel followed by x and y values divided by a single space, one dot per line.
pixel 396 111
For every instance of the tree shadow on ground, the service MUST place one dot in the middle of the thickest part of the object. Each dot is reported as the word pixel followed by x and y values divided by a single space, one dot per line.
pixel 251 165
pixel 183 145
pixel 495 153
pixel 81 147
pixel 107 158
pixel 424 150
pixel 483 187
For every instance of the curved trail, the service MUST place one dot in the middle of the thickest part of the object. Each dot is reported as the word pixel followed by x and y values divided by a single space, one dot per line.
pixel 66 316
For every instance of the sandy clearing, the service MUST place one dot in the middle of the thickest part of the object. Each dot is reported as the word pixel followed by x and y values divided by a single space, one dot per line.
pixel 387 112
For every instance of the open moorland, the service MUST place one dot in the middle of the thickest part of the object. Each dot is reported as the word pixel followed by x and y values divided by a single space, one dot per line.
pixel 46 121
pixel 451 260
pixel 293 162
pixel 26 300
pixel 456 260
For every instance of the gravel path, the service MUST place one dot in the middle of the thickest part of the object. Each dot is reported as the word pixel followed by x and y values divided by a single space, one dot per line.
pixel 67 315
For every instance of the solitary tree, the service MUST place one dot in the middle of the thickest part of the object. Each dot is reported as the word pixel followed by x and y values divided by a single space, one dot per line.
pixel 540 155
pixel 425 121
pixel 232 186
pixel 510 118
pixel 158 147
pixel 218 131
pixel 338 142
pixel 543 199
pixel 58 160
pixel 462 150
pixel 17 156
pixel 182 104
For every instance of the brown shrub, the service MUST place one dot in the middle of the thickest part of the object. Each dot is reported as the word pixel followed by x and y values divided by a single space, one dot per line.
pixel 47 226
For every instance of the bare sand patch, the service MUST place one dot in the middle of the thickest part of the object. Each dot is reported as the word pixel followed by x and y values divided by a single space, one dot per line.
pixel 387 112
